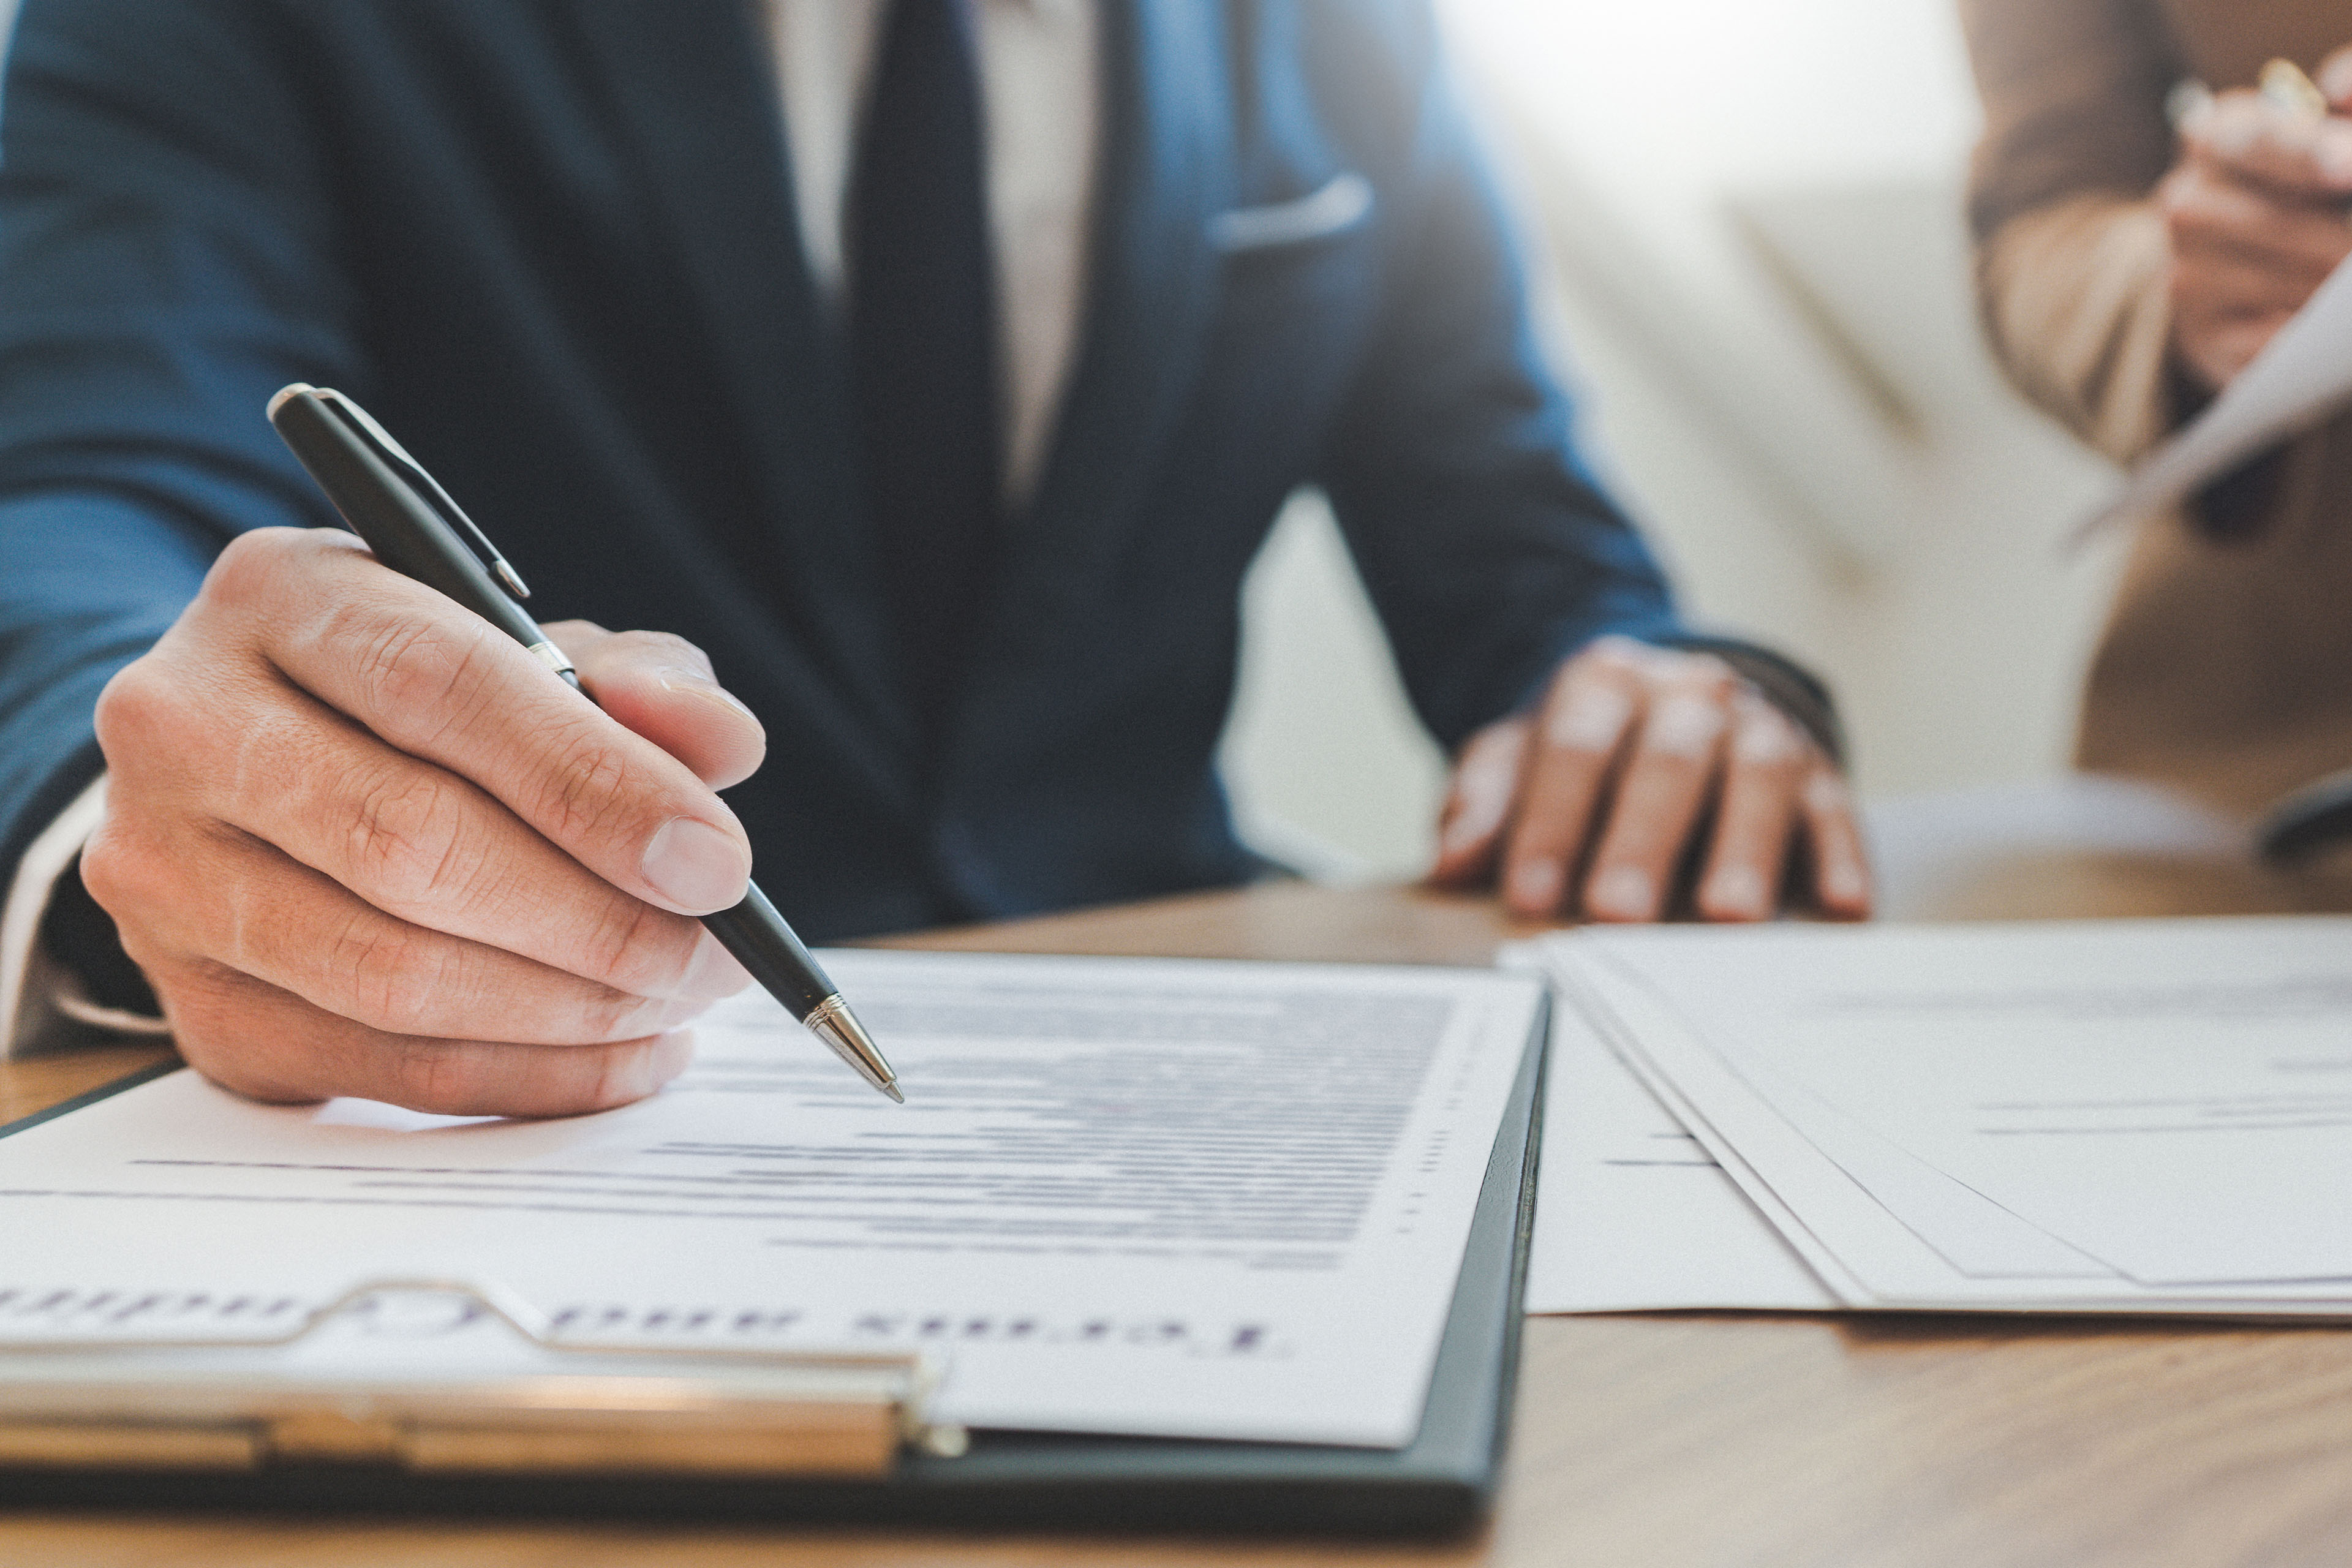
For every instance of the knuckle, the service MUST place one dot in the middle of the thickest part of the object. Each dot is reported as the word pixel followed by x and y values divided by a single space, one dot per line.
pixel 436 1076
pixel 1699 675
pixel 1614 653
pixel 1684 728
pixel 420 671
pixel 1492 756
pixel 386 979
pixel 249 565
pixel 1589 721
pixel 611 1015
pixel 607 1087
pixel 591 789
pixel 1778 758
pixel 406 841
pixel 138 706
pixel 637 949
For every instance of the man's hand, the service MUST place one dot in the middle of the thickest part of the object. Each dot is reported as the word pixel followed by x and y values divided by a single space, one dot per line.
pixel 1589 805
pixel 363 843
pixel 2255 212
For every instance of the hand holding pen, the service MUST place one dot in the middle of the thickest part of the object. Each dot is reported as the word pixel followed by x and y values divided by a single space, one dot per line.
pixel 362 843
pixel 2254 210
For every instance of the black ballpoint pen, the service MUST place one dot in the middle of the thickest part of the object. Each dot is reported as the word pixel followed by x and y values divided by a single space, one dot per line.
pixel 413 527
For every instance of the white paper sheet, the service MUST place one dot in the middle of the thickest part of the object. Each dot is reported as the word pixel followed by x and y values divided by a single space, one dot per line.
pixel 1631 1213
pixel 2303 375
pixel 2131 1115
pixel 1142 1196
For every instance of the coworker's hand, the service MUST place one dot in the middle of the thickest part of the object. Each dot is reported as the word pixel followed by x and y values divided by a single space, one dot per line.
pixel 2255 213
pixel 363 843
pixel 1589 805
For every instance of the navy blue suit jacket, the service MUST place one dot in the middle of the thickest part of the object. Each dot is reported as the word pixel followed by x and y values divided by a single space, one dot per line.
pixel 552 245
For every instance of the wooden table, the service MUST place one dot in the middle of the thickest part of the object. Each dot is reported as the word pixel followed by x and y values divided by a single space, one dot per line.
pixel 1712 1439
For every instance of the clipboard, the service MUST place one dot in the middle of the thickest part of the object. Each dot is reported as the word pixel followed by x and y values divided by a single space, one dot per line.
pixel 1442 1483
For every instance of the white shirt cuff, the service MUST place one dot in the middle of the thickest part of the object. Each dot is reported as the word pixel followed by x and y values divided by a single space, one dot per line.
pixel 36 994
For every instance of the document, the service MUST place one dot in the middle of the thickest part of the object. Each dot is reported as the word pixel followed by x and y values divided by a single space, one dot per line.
pixel 2303 375
pixel 1633 1213
pixel 2095 1116
pixel 1139 1196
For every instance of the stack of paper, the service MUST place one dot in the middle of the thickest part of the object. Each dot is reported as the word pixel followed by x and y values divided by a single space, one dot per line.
pixel 2150 1116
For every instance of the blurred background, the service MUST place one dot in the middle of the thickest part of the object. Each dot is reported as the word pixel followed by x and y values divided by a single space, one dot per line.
pixel 1746 223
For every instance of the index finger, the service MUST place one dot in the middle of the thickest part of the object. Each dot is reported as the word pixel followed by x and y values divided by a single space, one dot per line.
pixel 441 683
pixel 1594 701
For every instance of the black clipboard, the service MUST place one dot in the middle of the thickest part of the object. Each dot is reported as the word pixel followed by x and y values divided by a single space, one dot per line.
pixel 1440 1484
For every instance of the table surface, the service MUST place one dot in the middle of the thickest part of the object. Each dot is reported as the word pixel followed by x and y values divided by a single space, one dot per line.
pixel 1701 1438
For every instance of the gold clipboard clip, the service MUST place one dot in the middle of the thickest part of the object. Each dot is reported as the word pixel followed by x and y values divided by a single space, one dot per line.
pixel 576 1406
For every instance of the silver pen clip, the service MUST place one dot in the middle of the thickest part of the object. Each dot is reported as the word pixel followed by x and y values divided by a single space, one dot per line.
pixel 395 456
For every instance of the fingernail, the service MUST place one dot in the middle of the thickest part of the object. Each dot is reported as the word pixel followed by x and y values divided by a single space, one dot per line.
pixel 696 867
pixel 1736 892
pixel 688 683
pixel 1623 893
pixel 2335 77
pixel 1844 884
pixel 1535 886
pixel 713 972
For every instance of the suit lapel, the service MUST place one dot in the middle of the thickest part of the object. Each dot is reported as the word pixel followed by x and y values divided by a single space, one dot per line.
pixel 695 86
pixel 1166 165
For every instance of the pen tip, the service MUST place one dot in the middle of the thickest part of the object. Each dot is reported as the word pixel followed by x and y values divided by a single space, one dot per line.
pixel 837 1026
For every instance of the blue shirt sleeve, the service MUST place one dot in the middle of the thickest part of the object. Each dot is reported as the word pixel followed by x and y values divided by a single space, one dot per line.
pixel 1487 544
pixel 164 266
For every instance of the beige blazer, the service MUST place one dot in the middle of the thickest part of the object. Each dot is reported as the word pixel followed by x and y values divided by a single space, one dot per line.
pixel 2226 666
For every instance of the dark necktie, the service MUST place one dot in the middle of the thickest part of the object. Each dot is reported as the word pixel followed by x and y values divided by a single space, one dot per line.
pixel 922 331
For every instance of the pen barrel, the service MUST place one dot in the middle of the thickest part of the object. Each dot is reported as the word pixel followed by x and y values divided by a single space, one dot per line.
pixel 403 534
pixel 762 943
